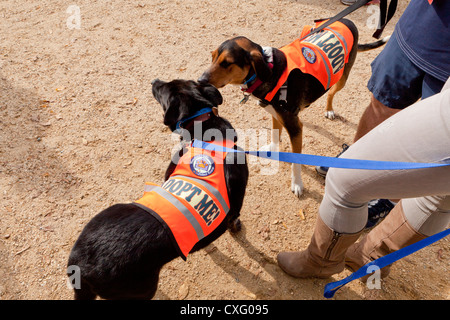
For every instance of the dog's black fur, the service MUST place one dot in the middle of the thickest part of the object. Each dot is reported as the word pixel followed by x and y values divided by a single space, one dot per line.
pixel 121 251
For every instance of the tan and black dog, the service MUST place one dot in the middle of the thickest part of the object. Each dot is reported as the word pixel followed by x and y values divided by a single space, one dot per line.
pixel 289 79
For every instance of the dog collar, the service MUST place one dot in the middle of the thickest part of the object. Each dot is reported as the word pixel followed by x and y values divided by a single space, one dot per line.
pixel 248 91
pixel 201 115
pixel 245 84
pixel 268 54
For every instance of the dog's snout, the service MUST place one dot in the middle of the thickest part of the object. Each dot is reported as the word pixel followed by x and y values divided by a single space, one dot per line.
pixel 204 78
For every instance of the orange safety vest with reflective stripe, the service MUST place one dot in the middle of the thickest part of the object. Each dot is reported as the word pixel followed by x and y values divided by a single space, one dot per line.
pixel 322 55
pixel 194 200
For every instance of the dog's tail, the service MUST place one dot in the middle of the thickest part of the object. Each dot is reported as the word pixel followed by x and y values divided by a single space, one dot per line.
pixel 373 45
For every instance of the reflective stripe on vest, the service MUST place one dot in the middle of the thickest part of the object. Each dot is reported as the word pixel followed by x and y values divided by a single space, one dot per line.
pixel 212 190
pixel 179 206
pixel 193 202
pixel 322 55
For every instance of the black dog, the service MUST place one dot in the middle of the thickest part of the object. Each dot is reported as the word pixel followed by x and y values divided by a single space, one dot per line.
pixel 121 251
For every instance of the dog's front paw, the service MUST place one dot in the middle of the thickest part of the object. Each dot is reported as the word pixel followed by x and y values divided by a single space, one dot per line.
pixel 296 180
pixel 330 115
pixel 272 147
pixel 235 226
pixel 297 188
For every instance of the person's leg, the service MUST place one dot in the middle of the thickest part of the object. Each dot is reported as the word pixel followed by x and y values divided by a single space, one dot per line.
pixel 377 112
pixel 395 84
pixel 378 209
pixel 427 215
pixel 419 133
pixel 374 114
pixel 410 221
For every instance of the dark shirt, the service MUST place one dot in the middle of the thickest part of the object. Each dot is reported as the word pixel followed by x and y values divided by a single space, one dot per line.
pixel 423 34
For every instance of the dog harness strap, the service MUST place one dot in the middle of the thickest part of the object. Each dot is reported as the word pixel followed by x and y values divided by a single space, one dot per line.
pixel 193 202
pixel 322 55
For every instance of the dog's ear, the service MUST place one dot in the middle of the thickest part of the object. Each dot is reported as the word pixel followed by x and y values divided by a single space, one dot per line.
pixel 169 102
pixel 178 108
pixel 258 62
pixel 211 93
pixel 171 111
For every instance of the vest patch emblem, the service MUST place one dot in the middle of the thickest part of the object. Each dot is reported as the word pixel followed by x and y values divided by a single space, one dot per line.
pixel 202 165
pixel 309 55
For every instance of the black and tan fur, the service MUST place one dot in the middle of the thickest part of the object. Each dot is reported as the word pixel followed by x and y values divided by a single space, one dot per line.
pixel 237 59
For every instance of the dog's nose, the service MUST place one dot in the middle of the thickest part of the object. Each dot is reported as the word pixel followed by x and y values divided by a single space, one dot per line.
pixel 203 79
pixel 154 80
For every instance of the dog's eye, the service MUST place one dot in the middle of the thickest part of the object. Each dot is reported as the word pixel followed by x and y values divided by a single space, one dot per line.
pixel 225 64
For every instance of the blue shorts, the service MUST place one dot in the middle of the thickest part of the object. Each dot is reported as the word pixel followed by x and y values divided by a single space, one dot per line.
pixel 396 82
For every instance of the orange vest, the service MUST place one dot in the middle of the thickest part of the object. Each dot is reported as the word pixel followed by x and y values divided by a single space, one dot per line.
pixel 194 200
pixel 322 55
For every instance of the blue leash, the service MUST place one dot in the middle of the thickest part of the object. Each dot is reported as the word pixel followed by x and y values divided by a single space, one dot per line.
pixel 331 288
pixel 312 160
pixel 306 159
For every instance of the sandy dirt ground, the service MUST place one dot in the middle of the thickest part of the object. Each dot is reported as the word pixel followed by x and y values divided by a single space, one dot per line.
pixel 80 131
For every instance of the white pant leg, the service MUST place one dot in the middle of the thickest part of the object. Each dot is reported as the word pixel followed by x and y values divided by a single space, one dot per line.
pixel 420 133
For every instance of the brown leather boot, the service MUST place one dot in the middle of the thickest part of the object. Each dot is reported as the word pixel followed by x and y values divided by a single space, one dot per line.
pixel 324 256
pixel 392 234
